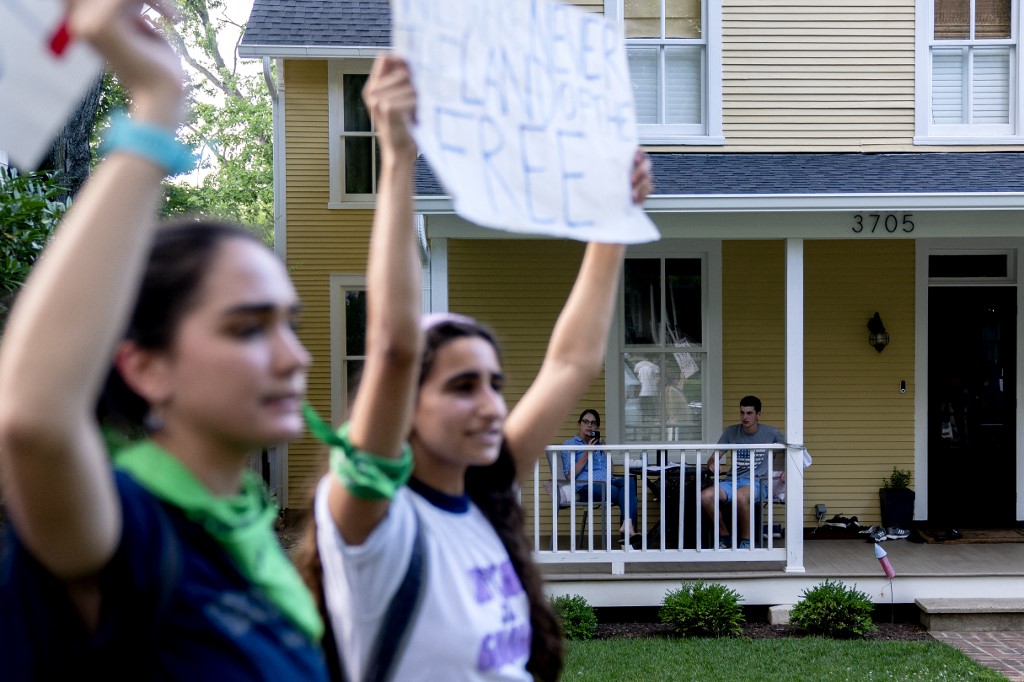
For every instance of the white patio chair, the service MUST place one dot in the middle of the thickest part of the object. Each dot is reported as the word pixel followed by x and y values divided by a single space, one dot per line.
pixel 564 492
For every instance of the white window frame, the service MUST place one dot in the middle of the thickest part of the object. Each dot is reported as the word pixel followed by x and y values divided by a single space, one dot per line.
pixel 337 69
pixel 710 254
pixel 340 285
pixel 928 133
pixel 710 131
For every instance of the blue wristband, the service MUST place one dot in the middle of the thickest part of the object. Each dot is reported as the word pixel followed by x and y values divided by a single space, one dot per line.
pixel 149 141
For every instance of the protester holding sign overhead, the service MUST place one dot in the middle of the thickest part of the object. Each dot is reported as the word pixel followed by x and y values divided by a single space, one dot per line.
pixel 430 406
pixel 165 565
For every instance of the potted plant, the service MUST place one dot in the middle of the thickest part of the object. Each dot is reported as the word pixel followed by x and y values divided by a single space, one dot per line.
pixel 897 499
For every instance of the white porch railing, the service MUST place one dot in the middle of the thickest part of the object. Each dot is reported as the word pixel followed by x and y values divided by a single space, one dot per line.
pixel 673 525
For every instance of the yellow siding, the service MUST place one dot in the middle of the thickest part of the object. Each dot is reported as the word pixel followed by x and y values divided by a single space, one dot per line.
pixel 753 328
pixel 807 75
pixel 320 243
pixel 857 425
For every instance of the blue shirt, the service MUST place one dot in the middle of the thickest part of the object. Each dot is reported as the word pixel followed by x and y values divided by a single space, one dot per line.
pixel 173 607
pixel 598 459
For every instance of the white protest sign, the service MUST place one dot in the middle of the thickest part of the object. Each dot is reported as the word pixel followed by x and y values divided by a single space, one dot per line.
pixel 525 113
pixel 43 76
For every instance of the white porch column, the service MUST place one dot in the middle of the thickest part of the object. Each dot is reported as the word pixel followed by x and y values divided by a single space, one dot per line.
pixel 794 405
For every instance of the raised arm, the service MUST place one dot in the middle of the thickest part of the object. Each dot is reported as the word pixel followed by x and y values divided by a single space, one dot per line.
pixel 382 411
pixel 61 335
pixel 576 351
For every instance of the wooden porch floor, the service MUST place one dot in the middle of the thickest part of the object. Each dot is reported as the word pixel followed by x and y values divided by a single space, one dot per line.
pixel 922 570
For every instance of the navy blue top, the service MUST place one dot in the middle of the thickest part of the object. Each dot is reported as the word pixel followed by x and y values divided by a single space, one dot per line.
pixel 173 607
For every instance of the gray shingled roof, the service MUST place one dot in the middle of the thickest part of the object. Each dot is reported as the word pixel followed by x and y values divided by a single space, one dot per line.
pixel 909 173
pixel 780 174
pixel 366 24
pixel 353 23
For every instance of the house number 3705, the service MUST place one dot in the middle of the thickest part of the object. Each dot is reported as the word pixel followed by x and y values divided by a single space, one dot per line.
pixel 876 222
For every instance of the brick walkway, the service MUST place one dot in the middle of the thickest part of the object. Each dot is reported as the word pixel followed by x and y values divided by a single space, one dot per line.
pixel 1001 651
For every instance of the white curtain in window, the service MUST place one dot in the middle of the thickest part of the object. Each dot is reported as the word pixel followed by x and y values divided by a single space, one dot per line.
pixel 987 80
pixel 949 71
pixel 991 85
pixel 683 84
pixel 643 70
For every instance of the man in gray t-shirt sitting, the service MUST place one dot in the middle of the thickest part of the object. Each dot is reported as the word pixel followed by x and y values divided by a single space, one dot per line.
pixel 748 431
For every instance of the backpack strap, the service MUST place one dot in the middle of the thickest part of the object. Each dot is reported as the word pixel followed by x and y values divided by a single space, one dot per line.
pixel 394 628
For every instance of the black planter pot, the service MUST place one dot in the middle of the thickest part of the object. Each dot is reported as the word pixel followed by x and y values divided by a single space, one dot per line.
pixel 897 507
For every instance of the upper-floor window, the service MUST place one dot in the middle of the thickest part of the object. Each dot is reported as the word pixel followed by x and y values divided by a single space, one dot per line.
pixel 674 53
pixel 663 352
pixel 971 64
pixel 352 143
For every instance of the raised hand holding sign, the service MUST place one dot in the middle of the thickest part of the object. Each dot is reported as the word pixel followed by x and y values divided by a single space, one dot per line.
pixel 525 114
pixel 44 73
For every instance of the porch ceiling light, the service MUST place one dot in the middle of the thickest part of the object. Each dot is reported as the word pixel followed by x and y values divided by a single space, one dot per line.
pixel 878 337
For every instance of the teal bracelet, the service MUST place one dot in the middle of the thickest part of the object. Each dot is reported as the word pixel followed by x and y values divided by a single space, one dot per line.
pixel 365 475
pixel 149 141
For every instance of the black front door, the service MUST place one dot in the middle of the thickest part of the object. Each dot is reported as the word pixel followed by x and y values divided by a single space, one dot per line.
pixel 972 347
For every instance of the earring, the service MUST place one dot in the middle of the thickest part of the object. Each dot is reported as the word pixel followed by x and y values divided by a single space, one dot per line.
pixel 152 421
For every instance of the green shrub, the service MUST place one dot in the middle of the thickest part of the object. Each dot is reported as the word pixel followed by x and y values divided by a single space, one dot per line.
pixel 700 609
pixel 899 479
pixel 29 212
pixel 833 610
pixel 577 616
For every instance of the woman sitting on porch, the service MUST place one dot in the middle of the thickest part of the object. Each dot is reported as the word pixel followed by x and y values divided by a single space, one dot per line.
pixel 437 384
pixel 575 467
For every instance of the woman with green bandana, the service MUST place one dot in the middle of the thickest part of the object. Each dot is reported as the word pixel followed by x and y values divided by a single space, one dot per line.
pixel 165 565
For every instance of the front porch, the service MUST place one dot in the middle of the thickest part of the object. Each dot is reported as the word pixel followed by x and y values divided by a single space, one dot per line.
pixel 922 571
pixel 572 523
pixel 777 570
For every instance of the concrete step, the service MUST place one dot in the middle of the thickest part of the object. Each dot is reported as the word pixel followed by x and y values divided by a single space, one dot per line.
pixel 971 614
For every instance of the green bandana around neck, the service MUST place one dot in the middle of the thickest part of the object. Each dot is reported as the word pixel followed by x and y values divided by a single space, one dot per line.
pixel 243 525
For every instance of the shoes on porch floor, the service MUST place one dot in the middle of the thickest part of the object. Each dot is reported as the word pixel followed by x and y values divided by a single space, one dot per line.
pixel 724 542
pixel 897 533
pixel 776 531
pixel 839 521
pixel 744 544
pixel 877 534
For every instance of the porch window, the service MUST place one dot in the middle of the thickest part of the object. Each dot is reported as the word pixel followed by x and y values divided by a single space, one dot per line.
pixel 673 49
pixel 972 54
pixel 663 356
pixel 352 145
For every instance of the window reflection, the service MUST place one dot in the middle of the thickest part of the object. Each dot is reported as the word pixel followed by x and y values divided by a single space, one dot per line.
pixel 663 357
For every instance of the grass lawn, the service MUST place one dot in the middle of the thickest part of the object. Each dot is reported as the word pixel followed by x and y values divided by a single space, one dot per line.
pixel 807 658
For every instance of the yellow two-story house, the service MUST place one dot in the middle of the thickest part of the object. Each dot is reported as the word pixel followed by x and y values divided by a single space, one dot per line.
pixel 816 163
